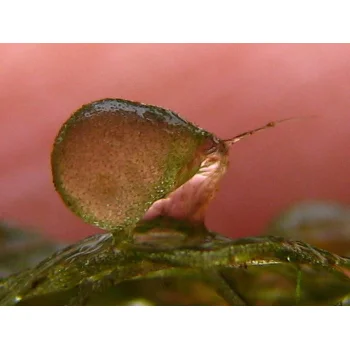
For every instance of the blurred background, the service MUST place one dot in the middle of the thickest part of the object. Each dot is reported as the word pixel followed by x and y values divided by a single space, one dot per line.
pixel 226 89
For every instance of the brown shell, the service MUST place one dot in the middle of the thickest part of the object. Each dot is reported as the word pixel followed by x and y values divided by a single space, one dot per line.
pixel 113 158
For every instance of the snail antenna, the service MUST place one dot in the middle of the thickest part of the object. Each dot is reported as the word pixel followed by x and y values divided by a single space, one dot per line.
pixel 233 140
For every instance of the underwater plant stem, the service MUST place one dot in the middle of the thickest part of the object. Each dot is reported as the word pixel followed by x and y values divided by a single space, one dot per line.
pixel 298 287
pixel 223 289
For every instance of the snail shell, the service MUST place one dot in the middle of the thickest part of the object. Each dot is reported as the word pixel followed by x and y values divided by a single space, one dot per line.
pixel 113 159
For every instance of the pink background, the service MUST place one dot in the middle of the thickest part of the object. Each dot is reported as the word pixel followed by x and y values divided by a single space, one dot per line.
pixel 226 89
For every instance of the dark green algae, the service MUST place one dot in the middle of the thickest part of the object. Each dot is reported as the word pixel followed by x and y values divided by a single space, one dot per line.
pixel 168 264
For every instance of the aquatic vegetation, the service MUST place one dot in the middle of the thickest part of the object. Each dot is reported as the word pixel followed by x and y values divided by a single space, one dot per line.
pixel 146 176
pixel 21 249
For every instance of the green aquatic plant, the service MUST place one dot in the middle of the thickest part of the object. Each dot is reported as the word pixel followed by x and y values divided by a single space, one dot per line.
pixel 146 176
pixel 325 225
pixel 21 249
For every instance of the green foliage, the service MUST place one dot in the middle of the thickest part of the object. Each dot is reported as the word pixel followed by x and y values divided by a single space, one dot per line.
pixel 21 249
pixel 168 266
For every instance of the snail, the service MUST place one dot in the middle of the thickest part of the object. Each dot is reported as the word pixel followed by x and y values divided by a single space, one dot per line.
pixel 117 162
